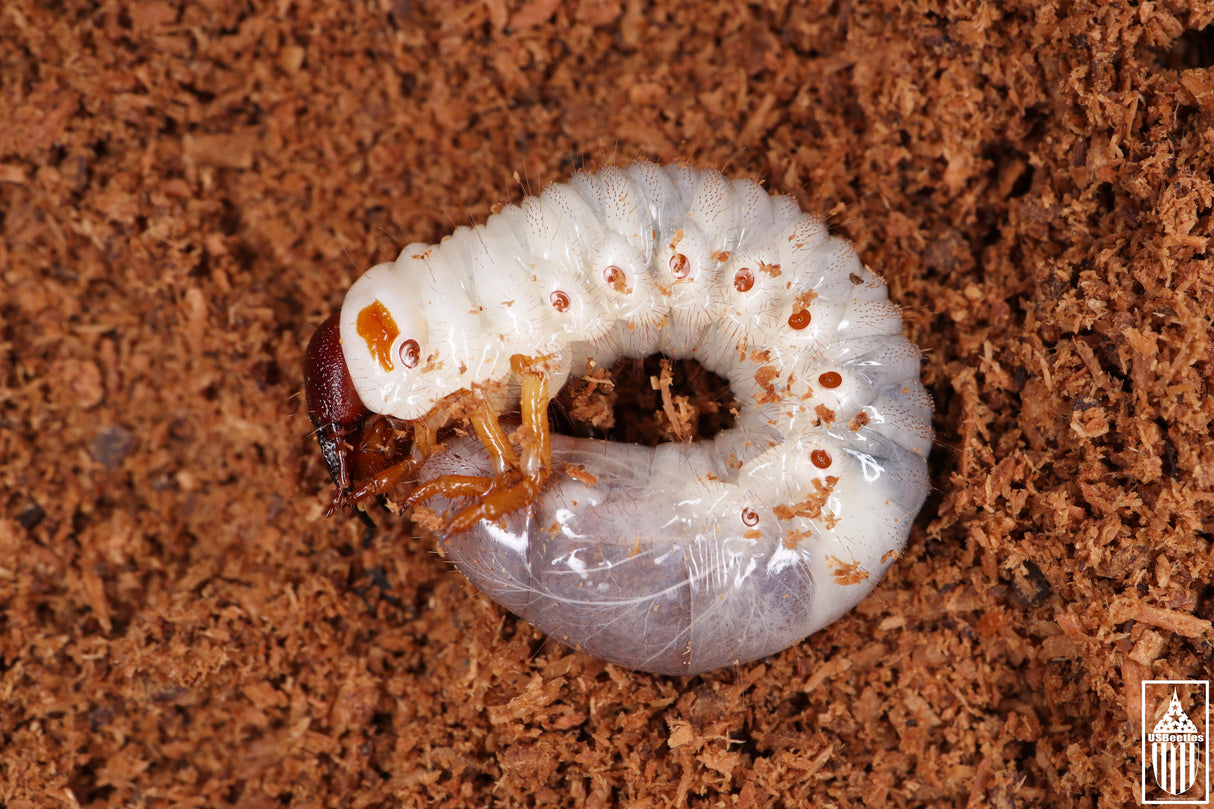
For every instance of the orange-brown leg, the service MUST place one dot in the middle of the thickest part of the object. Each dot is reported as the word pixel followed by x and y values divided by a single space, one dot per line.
pixel 537 450
pixel 425 434
pixel 537 453
pixel 450 487
pixel 383 481
pixel 496 505
pixel 425 444
pixel 489 431
pixel 505 462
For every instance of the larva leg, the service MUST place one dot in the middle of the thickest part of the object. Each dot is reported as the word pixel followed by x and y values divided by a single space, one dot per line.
pixel 505 461
pixel 381 482
pixel 537 450
pixel 450 487
pixel 489 431
pixel 425 435
pixel 536 457
pixel 425 444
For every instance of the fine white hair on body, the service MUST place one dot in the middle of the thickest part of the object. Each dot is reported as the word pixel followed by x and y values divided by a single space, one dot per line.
pixel 680 558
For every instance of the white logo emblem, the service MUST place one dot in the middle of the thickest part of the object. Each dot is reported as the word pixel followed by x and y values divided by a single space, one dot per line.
pixel 1174 748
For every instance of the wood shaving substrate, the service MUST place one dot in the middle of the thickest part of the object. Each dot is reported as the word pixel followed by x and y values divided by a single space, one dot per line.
pixel 187 189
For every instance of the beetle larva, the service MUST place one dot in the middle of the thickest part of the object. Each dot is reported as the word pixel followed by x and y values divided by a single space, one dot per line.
pixel 673 559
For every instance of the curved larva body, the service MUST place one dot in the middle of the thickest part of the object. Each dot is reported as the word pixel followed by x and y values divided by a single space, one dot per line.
pixel 685 557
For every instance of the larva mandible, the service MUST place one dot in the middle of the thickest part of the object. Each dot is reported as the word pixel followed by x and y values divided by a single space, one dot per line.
pixel 677 559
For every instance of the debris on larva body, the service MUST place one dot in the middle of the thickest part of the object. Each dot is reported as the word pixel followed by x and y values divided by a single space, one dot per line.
pixel 679 558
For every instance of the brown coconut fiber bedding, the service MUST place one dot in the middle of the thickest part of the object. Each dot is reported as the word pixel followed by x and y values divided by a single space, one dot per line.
pixel 186 189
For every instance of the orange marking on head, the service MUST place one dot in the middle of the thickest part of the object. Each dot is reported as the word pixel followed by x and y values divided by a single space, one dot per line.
pixel 378 330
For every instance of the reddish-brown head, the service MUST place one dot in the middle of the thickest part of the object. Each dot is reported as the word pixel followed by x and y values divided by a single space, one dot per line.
pixel 333 403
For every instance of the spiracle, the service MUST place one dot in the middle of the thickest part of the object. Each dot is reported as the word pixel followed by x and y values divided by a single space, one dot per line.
pixel 675 559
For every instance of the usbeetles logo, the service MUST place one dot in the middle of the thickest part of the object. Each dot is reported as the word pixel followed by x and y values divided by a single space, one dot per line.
pixel 1175 749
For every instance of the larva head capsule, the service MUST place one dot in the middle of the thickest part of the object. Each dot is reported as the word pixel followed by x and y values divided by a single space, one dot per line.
pixel 384 339
pixel 333 404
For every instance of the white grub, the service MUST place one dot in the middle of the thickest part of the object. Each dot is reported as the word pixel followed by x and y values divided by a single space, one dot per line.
pixel 682 558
